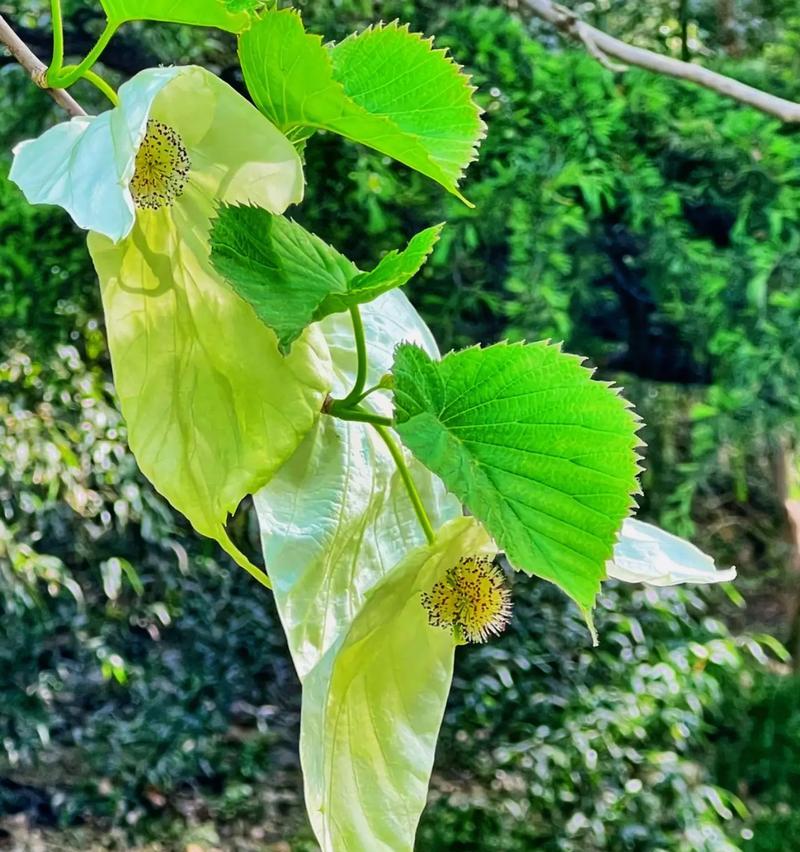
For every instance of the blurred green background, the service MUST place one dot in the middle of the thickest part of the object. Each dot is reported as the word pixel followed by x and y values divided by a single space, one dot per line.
pixel 147 700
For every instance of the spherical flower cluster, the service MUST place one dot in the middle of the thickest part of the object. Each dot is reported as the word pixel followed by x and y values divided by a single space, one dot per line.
pixel 162 168
pixel 473 600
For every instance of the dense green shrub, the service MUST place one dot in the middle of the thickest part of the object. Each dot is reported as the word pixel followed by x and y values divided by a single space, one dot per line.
pixel 138 671
pixel 757 736
pixel 46 278
pixel 559 747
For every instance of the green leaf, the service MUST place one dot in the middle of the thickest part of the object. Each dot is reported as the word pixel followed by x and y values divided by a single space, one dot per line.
pixel 276 266
pixel 337 527
pixel 293 278
pixel 201 13
pixel 395 269
pixel 212 408
pixel 386 88
pixel 244 5
pixel 536 449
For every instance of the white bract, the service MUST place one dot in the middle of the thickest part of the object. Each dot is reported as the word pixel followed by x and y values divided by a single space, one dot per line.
pixel 349 563
pixel 88 165
pixel 337 515
pixel 647 554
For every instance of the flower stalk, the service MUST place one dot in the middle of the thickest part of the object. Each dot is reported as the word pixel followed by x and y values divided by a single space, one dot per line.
pixel 357 392
pixel 408 481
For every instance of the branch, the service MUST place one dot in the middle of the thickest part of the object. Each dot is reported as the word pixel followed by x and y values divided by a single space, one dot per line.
pixel 126 55
pixel 603 46
pixel 36 69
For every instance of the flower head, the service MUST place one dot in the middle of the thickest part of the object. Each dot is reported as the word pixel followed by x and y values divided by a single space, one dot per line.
pixel 473 600
pixel 162 168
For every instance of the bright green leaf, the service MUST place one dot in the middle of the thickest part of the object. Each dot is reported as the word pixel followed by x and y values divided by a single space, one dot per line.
pixel 337 526
pixel 277 266
pixel 244 5
pixel 536 449
pixel 293 278
pixel 201 13
pixel 385 87
pixel 395 269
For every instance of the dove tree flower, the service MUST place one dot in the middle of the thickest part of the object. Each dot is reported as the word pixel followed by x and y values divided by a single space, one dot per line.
pixel 212 407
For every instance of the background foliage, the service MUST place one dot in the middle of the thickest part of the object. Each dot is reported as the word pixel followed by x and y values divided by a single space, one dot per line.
pixel 145 691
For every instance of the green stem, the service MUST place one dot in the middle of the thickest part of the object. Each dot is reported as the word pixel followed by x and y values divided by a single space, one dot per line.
pixel 360 415
pixel 65 77
pixel 348 409
pixel 368 391
pixel 361 350
pixel 405 473
pixel 99 83
pixel 57 21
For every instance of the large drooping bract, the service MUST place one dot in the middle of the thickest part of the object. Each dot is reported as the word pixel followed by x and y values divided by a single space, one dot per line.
pixel 213 408
pixel 349 564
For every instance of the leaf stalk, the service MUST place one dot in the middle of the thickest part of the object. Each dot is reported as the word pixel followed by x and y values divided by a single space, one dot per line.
pixel 59 77
pixel 358 414
pixel 357 392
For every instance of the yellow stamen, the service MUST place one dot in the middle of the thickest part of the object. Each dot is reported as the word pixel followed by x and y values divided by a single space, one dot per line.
pixel 162 168
pixel 473 600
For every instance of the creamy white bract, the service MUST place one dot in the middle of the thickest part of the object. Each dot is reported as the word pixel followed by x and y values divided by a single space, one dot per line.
pixel 87 165
pixel 647 554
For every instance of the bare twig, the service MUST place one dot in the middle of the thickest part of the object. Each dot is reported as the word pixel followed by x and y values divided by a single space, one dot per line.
pixel 37 69
pixel 600 44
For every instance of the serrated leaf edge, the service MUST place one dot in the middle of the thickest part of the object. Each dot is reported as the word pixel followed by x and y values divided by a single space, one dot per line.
pixel 445 54
pixel 628 407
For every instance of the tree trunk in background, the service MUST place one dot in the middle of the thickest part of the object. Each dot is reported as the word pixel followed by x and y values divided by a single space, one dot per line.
pixel 785 478
pixel 683 17
pixel 728 34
